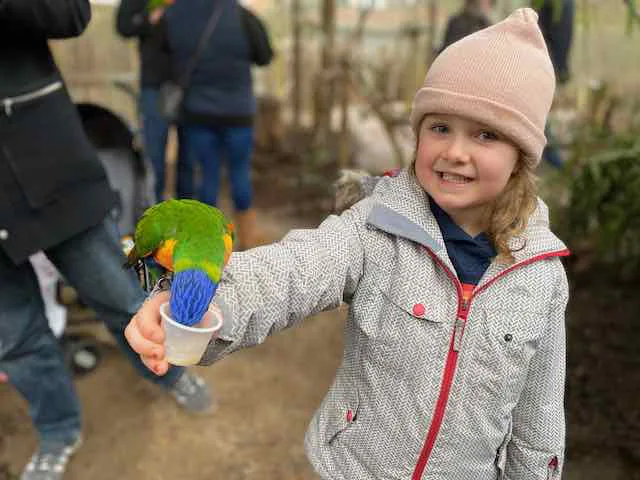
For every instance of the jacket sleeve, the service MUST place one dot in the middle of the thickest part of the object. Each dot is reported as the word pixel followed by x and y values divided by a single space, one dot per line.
pixel 257 36
pixel 132 19
pixel 52 18
pixel 536 448
pixel 270 288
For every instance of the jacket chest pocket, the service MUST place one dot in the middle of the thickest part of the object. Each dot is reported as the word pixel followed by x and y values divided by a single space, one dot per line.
pixel 402 323
pixel 506 343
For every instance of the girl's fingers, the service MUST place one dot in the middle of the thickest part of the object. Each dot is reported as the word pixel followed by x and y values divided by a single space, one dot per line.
pixel 145 335
pixel 140 343
pixel 157 366
pixel 149 325
pixel 144 332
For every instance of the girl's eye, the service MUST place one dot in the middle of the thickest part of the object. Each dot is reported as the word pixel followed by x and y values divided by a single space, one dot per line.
pixel 486 135
pixel 439 128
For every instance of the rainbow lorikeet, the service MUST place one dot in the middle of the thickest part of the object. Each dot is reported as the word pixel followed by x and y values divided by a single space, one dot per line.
pixel 194 241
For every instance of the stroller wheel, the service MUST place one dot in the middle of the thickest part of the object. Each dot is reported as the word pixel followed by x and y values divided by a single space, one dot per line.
pixel 82 355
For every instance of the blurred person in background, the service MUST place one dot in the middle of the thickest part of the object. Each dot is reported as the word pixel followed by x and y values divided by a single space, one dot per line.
pixel 136 19
pixel 219 103
pixel 55 197
pixel 556 18
pixel 474 15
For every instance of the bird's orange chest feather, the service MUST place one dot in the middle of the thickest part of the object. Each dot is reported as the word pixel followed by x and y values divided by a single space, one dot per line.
pixel 164 254
pixel 228 247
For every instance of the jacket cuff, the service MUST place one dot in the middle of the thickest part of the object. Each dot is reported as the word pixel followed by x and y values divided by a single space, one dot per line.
pixel 226 339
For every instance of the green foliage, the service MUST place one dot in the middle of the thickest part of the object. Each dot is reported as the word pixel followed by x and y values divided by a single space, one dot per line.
pixel 605 205
pixel 632 17
pixel 602 181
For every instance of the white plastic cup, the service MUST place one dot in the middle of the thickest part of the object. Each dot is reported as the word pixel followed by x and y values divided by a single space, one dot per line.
pixel 185 345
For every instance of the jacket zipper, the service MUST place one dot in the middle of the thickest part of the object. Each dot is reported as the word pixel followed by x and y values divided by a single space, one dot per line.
pixel 9 102
pixel 454 349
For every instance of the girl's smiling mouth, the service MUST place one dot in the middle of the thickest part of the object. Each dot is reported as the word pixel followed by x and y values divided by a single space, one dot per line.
pixel 454 178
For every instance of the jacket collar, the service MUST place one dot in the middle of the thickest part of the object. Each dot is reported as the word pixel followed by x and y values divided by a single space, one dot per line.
pixel 401 208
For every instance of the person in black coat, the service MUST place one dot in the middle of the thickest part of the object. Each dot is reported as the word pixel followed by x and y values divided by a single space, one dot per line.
pixel 474 15
pixel 134 19
pixel 54 196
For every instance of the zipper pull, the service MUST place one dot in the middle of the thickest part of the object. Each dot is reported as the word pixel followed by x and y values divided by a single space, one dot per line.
pixel 7 106
pixel 457 334
pixel 465 304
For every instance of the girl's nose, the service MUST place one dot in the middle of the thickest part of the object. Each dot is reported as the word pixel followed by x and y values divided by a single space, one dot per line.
pixel 456 150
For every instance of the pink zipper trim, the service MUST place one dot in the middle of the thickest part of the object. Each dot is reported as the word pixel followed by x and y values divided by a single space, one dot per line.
pixel 452 355
pixel 544 256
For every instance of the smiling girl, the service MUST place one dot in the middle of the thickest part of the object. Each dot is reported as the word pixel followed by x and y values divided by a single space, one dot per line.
pixel 454 356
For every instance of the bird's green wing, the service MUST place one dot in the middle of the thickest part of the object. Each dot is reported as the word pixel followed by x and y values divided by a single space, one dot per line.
pixel 201 240
pixel 157 224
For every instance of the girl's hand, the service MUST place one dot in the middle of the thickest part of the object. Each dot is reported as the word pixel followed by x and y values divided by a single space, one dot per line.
pixel 145 335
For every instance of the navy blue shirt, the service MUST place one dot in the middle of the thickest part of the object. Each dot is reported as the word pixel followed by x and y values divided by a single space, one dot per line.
pixel 470 256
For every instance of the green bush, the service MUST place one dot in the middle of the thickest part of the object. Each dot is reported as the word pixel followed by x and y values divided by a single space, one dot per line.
pixel 600 214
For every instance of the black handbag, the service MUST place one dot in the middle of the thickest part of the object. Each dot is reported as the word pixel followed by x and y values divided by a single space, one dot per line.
pixel 171 94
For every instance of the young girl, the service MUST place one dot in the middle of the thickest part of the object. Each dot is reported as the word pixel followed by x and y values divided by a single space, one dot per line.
pixel 454 355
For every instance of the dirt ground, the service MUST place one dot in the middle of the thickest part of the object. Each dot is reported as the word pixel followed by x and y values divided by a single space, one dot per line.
pixel 266 395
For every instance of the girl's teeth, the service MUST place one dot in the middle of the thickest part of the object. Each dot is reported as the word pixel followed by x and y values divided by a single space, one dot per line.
pixel 450 177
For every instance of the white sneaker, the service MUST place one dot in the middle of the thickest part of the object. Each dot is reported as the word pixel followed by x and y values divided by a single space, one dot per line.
pixel 49 462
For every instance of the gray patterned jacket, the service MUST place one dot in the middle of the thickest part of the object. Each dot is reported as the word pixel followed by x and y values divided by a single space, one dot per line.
pixel 430 386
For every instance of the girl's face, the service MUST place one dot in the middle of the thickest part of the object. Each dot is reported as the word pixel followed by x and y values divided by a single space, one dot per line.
pixel 464 166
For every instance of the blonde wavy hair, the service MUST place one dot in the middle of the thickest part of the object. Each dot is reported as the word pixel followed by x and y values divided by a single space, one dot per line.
pixel 509 214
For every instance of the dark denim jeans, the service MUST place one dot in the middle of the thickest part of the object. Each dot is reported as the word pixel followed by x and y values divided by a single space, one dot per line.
pixel 210 145
pixel 551 153
pixel 30 354
pixel 155 130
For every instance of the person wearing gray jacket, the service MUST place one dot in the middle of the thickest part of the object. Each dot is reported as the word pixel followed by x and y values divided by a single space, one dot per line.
pixel 454 351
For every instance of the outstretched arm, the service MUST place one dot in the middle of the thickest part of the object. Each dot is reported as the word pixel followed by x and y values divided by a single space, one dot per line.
pixel 51 18
pixel 536 449
pixel 269 288
pixel 259 42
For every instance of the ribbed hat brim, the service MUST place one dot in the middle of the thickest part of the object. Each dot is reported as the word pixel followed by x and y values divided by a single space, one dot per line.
pixel 506 121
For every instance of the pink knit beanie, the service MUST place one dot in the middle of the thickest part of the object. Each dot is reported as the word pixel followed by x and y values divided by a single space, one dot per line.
pixel 501 76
